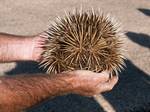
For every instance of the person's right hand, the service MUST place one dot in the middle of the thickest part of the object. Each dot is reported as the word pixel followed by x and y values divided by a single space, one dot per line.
pixel 89 83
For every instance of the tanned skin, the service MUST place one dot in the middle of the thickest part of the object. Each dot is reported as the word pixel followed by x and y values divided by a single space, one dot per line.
pixel 18 93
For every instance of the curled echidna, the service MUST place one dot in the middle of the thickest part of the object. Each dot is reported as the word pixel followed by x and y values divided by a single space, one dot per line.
pixel 83 40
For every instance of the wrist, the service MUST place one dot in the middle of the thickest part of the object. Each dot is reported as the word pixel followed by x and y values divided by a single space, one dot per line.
pixel 74 82
pixel 15 48
pixel 26 48
pixel 65 83
pixel 36 48
pixel 33 48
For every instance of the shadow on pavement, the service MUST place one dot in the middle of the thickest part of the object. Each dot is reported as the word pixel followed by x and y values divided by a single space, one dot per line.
pixel 25 67
pixel 132 90
pixel 139 38
pixel 68 103
pixel 145 11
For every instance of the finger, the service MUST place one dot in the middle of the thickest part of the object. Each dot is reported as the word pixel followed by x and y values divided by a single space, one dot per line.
pixel 108 85
pixel 101 77
pixel 104 75
pixel 114 80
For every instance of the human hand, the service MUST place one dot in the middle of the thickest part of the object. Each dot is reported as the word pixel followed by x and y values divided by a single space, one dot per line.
pixel 21 48
pixel 89 83
pixel 37 46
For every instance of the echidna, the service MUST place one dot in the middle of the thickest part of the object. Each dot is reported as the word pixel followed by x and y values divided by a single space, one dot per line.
pixel 83 41
pixel 86 40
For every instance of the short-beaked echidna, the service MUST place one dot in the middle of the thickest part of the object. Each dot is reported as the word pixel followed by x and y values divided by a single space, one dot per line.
pixel 87 40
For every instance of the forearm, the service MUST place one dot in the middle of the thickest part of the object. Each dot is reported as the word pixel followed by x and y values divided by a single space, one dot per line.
pixel 21 92
pixel 15 48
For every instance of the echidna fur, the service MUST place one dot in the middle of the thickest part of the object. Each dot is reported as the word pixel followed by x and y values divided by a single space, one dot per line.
pixel 83 40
